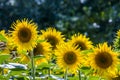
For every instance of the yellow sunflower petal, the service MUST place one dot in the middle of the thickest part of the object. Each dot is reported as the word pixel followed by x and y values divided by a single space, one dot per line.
pixel 24 34
pixel 53 36
pixel 68 57
pixel 81 41
pixel 43 48
pixel 104 61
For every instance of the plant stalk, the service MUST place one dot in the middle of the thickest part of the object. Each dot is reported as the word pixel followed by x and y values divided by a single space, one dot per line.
pixel 65 77
pixel 79 74
pixel 32 65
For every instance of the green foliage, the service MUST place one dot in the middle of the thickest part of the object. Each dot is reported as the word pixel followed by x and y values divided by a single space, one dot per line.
pixel 4 58
pixel 94 78
pixel 116 43
pixel 2 38
pixel 87 51
pixel 99 20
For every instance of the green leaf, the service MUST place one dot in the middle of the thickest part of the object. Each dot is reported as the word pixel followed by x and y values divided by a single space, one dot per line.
pixel 18 72
pixel 2 77
pixel 4 57
pixel 17 59
pixel 58 71
pixel 87 51
pixel 86 70
pixel 94 78
pixel 38 41
pixel 2 38
pixel 73 78
pixel 39 56
pixel 44 65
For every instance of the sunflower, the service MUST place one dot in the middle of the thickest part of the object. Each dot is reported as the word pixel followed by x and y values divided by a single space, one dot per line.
pixel 53 36
pixel 81 41
pixel 103 60
pixel 118 33
pixel 68 57
pixel 24 34
pixel 42 48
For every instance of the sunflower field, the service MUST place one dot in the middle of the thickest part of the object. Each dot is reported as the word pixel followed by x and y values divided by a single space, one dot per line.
pixel 27 53
pixel 59 40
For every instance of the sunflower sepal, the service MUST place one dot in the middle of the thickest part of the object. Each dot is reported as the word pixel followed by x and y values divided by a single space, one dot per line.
pixel 24 34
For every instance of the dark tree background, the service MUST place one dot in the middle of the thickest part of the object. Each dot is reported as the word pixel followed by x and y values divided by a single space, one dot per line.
pixel 98 19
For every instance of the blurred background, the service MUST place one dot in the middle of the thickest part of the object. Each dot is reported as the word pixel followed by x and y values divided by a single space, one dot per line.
pixel 97 19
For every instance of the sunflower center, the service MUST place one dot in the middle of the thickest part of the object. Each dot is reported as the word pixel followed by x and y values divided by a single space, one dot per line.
pixel 53 40
pixel 24 35
pixel 103 60
pixel 38 50
pixel 80 45
pixel 70 58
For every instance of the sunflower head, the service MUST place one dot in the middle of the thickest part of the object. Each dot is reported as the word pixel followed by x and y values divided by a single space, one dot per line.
pixel 42 48
pixel 24 34
pixel 104 61
pixel 53 36
pixel 68 56
pixel 81 41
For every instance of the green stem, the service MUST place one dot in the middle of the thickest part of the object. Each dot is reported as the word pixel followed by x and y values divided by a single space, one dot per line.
pixel 79 74
pixel 65 74
pixel 32 65
pixel 48 72
pixel 100 78
pixel 2 71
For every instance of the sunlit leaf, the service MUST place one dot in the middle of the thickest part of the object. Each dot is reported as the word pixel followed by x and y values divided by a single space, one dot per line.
pixel 86 51
pixel 4 57
pixel 94 78
pixel 2 38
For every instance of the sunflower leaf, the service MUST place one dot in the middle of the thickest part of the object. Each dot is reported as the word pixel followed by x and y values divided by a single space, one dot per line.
pixel 94 78
pixel 86 51
pixel 38 41
pixel 39 56
pixel 4 57
pixel 44 65
pixel 18 75
pixel 86 70
pixel 2 38
pixel 2 77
